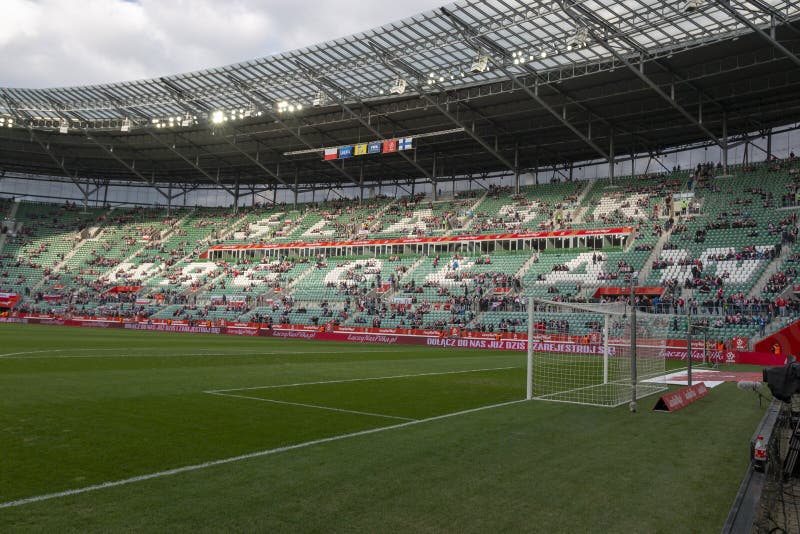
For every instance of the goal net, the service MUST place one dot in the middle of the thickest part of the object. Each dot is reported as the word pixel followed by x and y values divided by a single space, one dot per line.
pixel 593 354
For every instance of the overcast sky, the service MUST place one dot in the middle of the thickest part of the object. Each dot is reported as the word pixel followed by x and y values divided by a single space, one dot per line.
pixel 49 43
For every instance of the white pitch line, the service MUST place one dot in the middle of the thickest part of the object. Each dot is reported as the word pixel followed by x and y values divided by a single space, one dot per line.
pixel 268 452
pixel 254 352
pixel 314 406
pixel 360 379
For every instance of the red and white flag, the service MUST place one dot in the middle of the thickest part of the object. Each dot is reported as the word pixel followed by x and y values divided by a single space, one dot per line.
pixel 331 153
pixel 390 146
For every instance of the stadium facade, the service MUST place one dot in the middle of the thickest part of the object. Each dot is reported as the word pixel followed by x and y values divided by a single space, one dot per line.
pixel 425 174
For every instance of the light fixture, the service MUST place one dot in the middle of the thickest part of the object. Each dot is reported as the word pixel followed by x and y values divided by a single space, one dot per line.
pixel 579 39
pixel 480 64
pixel 399 87
pixel 543 54
pixel 319 99
pixel 217 117
pixel 691 5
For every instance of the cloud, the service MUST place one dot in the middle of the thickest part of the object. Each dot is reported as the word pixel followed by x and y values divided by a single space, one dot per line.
pixel 78 42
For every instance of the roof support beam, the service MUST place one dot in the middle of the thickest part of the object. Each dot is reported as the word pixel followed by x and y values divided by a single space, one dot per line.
pixel 404 72
pixel 325 85
pixel 726 5
pixel 569 8
pixel 263 103
pixel 59 162
pixel 483 44
pixel 255 161
pixel 190 162
pixel 579 14
pixel 130 168
pixel 642 76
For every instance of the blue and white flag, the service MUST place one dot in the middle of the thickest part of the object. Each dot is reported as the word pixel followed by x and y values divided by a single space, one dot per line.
pixel 406 143
pixel 345 152
pixel 374 147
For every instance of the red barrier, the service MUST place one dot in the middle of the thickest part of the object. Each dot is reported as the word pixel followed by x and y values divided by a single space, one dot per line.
pixel 787 340
pixel 672 349
pixel 8 300
pixel 670 402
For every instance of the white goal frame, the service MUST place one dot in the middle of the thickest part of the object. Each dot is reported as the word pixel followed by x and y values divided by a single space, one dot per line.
pixel 620 385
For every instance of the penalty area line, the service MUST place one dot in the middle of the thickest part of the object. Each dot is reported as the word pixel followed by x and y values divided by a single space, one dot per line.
pixel 316 406
pixel 344 380
pixel 233 459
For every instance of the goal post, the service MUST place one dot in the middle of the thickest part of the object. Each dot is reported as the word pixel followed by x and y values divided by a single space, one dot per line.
pixel 593 354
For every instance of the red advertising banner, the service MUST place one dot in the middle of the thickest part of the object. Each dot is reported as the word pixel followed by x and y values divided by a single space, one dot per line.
pixel 674 349
pixel 618 291
pixel 8 300
pixel 673 401
pixel 740 343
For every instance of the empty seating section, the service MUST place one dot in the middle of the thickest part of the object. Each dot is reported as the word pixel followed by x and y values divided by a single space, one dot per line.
pixel 534 208
pixel 418 217
pixel 628 200
pixel 732 230
pixel 46 235
pixel 250 279
pixel 734 235
pixel 337 279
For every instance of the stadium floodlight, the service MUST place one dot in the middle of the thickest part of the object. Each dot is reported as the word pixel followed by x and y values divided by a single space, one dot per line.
pixel 480 65
pixel 543 54
pixel 63 126
pixel 691 5
pixel 217 117
pixel 578 40
pixel 125 126
pixel 320 99
pixel 399 87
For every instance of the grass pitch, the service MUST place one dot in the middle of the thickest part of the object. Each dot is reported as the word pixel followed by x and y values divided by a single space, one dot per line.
pixel 223 433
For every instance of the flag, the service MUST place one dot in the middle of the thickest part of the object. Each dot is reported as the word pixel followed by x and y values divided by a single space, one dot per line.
pixel 375 148
pixel 345 152
pixel 331 153
pixel 406 143
pixel 360 150
pixel 390 146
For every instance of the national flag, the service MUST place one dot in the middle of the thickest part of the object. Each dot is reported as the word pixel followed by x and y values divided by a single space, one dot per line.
pixel 360 149
pixel 375 148
pixel 331 153
pixel 345 152
pixel 406 143
pixel 390 146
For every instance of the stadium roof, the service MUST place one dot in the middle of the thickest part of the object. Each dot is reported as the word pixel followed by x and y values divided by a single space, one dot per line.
pixel 482 86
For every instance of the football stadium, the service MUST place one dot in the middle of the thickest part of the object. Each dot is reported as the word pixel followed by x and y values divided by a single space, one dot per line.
pixel 503 265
